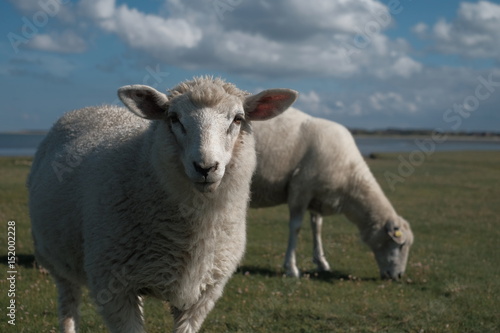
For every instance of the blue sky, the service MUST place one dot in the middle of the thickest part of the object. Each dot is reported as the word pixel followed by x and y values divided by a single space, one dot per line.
pixel 364 63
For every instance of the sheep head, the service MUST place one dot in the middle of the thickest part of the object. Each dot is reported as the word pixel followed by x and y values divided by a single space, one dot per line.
pixel 206 117
pixel 391 247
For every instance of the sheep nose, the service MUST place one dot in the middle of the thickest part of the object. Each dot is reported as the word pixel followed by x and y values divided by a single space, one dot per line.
pixel 204 170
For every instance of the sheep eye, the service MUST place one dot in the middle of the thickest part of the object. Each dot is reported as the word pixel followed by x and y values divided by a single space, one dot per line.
pixel 238 119
pixel 174 119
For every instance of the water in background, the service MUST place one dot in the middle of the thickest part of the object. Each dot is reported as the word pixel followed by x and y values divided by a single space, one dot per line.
pixel 19 144
pixel 26 144
pixel 368 145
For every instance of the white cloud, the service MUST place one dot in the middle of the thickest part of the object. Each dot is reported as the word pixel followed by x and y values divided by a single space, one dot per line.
pixel 474 33
pixel 311 98
pixel 151 32
pixel 356 108
pixel 41 66
pixel 44 10
pixel 442 31
pixel 326 38
pixel 420 29
pixel 27 5
pixel 360 79
pixel 428 100
pixel 319 37
pixel 304 40
pixel 56 66
pixel 483 11
pixel 297 20
pixel 311 102
pixel 350 16
pixel 66 42
pixel 406 67
pixel 391 102
pixel 97 9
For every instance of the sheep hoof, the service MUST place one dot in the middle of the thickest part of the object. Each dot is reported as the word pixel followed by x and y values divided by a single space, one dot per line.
pixel 324 268
pixel 293 272
pixel 322 265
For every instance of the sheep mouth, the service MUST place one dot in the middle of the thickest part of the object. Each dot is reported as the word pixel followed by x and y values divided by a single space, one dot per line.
pixel 391 276
pixel 207 186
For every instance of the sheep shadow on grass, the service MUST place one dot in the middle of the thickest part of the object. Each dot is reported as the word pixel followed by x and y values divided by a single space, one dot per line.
pixel 23 260
pixel 330 276
pixel 28 261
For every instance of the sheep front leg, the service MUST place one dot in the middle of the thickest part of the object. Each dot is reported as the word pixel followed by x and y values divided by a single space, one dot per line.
pixel 190 319
pixel 296 217
pixel 318 253
pixel 69 295
pixel 123 313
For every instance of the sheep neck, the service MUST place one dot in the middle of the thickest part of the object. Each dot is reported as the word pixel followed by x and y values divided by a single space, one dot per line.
pixel 366 204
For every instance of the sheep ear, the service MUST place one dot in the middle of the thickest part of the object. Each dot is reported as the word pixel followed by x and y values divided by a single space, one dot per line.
pixel 395 232
pixel 144 101
pixel 269 103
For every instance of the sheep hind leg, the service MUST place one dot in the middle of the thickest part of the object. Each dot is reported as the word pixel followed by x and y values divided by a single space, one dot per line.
pixel 318 253
pixel 296 217
pixel 69 299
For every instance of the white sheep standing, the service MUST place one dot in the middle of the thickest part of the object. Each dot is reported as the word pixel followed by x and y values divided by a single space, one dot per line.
pixel 148 202
pixel 314 164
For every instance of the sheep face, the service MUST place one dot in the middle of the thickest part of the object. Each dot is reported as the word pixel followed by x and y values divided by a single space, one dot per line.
pixel 392 247
pixel 207 120
pixel 206 136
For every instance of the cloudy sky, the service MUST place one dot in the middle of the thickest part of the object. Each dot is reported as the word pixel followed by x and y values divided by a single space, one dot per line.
pixel 364 63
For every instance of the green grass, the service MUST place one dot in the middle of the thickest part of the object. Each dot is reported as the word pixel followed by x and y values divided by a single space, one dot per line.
pixel 452 283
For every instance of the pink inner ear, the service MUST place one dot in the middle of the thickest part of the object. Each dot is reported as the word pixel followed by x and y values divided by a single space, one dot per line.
pixel 267 99
pixel 263 111
pixel 268 106
pixel 267 103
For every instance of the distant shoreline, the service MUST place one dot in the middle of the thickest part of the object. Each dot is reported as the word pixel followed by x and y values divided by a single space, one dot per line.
pixel 419 133
pixel 27 132
pixel 25 143
pixel 449 137
pixel 361 133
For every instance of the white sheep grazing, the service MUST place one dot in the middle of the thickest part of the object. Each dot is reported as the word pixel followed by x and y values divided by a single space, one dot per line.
pixel 148 202
pixel 314 164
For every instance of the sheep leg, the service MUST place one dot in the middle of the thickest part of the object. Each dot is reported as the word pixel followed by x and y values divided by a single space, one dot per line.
pixel 123 313
pixel 296 217
pixel 69 296
pixel 318 253
pixel 190 319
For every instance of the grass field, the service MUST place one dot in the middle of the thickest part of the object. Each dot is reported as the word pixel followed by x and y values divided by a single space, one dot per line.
pixel 452 201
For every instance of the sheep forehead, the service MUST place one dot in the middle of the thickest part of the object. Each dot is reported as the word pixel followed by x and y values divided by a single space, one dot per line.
pixel 207 103
pixel 197 112
pixel 207 91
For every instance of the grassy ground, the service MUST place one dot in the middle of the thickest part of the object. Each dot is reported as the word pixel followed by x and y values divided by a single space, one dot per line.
pixel 452 282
